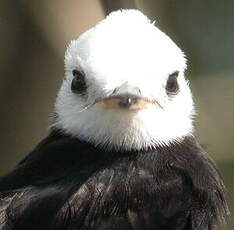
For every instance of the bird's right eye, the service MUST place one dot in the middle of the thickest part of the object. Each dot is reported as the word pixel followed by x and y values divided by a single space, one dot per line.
pixel 78 84
pixel 172 86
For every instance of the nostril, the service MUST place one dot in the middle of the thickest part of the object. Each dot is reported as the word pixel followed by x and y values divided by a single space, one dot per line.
pixel 139 91
pixel 126 102
pixel 114 91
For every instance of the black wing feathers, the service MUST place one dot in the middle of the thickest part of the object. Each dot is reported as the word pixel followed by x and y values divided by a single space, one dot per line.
pixel 66 184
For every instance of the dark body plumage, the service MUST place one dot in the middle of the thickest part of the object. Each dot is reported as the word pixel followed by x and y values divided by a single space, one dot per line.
pixel 67 184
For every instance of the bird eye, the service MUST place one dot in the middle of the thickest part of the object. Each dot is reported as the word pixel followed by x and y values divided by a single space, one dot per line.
pixel 78 84
pixel 172 86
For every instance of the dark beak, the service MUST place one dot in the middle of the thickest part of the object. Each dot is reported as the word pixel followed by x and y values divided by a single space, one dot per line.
pixel 125 97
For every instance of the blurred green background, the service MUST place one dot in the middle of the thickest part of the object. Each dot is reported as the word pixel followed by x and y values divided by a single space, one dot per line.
pixel 34 35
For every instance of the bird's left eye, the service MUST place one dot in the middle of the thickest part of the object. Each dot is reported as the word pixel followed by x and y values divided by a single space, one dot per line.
pixel 78 84
pixel 172 86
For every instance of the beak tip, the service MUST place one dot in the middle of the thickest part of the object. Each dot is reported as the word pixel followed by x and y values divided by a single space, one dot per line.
pixel 125 103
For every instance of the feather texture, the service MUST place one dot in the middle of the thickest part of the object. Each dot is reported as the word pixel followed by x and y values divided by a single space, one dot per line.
pixel 66 184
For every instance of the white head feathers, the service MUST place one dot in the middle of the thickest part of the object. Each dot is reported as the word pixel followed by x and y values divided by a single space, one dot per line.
pixel 125 48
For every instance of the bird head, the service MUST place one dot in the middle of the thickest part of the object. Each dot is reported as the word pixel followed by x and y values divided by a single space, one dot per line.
pixel 124 86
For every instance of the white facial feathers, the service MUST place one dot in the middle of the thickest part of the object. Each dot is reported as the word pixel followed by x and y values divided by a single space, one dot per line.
pixel 125 48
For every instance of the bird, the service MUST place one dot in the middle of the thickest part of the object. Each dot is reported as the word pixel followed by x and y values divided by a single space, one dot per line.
pixel 122 151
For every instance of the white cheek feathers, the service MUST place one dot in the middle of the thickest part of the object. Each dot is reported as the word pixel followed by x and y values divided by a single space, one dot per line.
pixel 124 52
